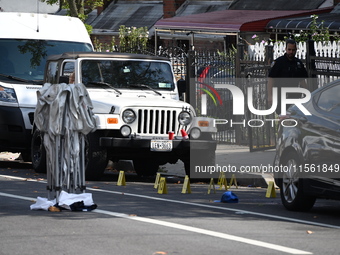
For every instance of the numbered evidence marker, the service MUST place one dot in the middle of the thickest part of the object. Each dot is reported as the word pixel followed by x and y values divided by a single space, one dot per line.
pixel 162 189
pixel 222 181
pixel 271 190
pixel 121 179
pixel 158 176
pixel 233 181
pixel 211 186
pixel 186 185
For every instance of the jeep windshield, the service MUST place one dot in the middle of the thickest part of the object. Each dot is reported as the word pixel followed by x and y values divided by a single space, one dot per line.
pixel 24 61
pixel 127 74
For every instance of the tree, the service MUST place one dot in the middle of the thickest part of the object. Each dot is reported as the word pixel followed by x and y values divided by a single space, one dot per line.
pixel 133 38
pixel 77 8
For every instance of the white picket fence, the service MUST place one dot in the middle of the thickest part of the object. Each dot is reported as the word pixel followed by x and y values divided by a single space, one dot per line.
pixel 322 49
pixel 256 52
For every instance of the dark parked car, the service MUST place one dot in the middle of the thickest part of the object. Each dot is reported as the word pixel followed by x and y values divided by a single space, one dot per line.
pixel 308 152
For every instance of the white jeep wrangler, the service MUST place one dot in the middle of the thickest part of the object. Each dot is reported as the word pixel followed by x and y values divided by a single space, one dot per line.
pixel 136 104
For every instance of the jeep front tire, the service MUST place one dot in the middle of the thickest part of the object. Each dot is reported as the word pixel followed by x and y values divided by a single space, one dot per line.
pixel 95 157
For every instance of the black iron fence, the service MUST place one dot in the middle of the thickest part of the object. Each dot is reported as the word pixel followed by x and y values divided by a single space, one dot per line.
pixel 207 72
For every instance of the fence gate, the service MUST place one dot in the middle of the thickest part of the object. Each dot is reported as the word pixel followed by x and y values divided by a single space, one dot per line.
pixel 206 73
pixel 259 130
pixel 209 72
pixel 203 71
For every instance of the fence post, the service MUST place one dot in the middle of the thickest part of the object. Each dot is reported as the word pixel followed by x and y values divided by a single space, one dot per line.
pixel 269 58
pixel 310 65
pixel 238 74
pixel 239 56
pixel 269 54
pixel 191 86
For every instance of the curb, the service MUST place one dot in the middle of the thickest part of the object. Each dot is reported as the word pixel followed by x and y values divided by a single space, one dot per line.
pixel 253 180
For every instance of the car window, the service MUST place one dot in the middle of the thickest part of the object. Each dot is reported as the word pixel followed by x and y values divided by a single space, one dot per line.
pixel 329 100
pixel 123 73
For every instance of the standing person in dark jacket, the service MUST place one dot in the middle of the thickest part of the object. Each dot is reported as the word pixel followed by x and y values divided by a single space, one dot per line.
pixel 287 71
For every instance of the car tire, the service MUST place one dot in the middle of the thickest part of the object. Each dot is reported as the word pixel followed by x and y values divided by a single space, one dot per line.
pixel 38 152
pixel 291 186
pixel 144 169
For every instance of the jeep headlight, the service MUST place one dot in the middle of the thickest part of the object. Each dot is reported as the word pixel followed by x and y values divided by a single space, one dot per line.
pixel 184 118
pixel 129 116
pixel 8 95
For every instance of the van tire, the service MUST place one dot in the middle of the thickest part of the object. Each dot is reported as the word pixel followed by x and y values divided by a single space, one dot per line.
pixel 38 152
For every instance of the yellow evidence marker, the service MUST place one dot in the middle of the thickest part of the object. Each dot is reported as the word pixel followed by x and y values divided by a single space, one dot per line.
pixel 162 188
pixel 121 179
pixel 186 185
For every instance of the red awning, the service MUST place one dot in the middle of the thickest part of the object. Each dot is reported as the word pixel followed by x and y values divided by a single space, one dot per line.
pixel 231 20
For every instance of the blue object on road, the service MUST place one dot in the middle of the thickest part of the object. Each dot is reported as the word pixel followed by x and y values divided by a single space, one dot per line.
pixel 228 197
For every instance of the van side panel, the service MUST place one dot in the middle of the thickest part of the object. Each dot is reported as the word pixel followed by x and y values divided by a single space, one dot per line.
pixel 13 135
pixel 26 40
pixel 42 27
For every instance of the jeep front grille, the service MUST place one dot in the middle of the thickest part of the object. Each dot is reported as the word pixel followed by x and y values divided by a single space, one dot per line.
pixel 159 122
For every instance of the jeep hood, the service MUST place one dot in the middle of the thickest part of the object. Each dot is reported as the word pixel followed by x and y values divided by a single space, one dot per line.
pixel 103 104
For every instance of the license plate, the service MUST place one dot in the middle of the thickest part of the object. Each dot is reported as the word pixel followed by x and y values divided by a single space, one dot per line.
pixel 161 145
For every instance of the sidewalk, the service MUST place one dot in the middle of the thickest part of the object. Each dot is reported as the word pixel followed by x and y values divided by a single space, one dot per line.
pixel 9 156
pixel 242 158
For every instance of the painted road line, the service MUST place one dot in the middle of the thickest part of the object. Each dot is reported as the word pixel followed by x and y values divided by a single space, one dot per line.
pixel 206 232
pixel 221 208
pixel 187 228
pixel 238 211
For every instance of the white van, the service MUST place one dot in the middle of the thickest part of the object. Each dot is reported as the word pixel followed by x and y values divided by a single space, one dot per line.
pixel 26 39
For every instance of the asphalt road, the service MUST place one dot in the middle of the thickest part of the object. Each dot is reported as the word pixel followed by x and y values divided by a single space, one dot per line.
pixel 135 219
